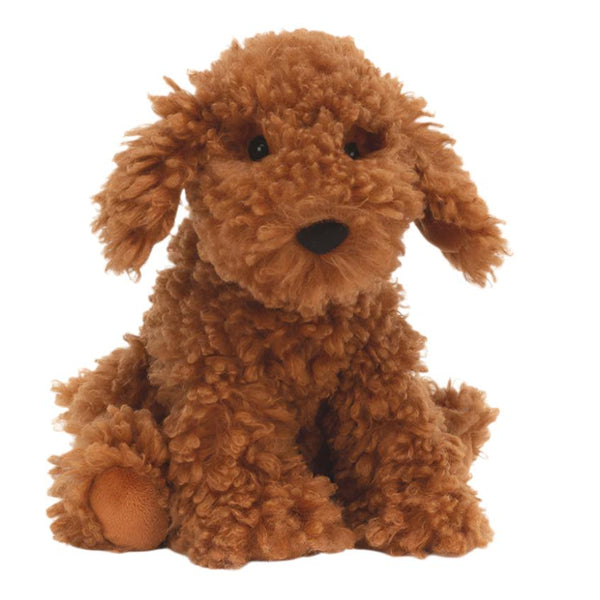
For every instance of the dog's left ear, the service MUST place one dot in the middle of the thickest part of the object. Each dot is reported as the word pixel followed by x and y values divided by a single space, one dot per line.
pixel 455 218
pixel 139 201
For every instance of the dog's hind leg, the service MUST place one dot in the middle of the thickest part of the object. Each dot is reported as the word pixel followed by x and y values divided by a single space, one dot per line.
pixel 466 415
pixel 119 378
pixel 111 485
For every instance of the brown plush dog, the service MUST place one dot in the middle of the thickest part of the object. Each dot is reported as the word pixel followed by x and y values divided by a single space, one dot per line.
pixel 271 406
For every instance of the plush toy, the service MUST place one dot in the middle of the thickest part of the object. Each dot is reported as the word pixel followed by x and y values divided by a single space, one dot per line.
pixel 272 404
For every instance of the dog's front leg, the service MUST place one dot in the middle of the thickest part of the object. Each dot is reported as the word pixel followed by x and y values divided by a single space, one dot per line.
pixel 241 490
pixel 401 474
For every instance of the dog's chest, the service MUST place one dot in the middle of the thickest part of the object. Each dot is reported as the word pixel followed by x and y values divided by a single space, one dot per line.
pixel 227 339
pixel 302 358
pixel 298 358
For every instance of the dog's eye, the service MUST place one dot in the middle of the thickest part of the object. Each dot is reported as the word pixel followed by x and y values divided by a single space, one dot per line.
pixel 351 149
pixel 361 142
pixel 258 148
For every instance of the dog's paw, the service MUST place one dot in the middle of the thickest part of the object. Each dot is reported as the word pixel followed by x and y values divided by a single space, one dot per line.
pixel 448 525
pixel 280 543
pixel 129 509
pixel 287 521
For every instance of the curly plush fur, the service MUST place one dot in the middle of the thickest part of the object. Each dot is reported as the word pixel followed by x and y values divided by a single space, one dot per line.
pixel 272 406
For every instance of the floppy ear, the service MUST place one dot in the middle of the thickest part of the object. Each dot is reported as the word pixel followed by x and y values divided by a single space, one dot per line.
pixel 455 218
pixel 139 201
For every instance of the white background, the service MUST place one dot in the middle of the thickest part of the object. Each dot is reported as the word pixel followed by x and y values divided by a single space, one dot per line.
pixel 515 82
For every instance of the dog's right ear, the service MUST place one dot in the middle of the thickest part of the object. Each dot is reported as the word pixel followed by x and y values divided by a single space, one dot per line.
pixel 139 201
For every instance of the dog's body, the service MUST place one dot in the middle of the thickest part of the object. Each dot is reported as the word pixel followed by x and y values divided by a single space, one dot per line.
pixel 271 406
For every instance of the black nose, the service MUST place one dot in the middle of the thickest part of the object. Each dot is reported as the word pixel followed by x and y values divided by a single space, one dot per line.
pixel 322 237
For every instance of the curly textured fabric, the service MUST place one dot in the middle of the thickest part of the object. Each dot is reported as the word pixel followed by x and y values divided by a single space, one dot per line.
pixel 272 404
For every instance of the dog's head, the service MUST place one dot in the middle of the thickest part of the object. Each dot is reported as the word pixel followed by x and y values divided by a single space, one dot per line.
pixel 302 166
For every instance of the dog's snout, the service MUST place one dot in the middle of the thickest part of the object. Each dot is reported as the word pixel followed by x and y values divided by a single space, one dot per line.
pixel 322 237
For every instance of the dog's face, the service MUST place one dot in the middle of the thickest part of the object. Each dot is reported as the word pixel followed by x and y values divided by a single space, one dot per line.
pixel 304 188
pixel 302 166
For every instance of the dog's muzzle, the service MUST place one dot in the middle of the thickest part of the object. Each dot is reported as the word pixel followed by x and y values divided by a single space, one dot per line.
pixel 322 237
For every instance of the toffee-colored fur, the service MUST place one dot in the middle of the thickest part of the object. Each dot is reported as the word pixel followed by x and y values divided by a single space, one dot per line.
pixel 272 405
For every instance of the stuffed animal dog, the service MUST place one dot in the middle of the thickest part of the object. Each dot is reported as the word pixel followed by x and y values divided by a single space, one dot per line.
pixel 271 405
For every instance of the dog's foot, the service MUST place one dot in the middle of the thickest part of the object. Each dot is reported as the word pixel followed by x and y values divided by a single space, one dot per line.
pixel 448 525
pixel 129 509
pixel 281 543
pixel 286 522
pixel 119 441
